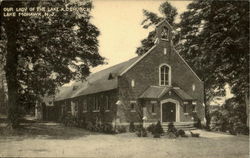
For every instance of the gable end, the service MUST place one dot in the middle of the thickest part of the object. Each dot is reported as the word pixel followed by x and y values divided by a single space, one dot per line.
pixel 187 65
pixel 126 70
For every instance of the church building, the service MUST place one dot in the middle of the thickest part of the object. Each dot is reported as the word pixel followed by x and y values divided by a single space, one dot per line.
pixel 158 85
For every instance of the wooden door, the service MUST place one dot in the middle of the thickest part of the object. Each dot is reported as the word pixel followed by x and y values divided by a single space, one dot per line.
pixel 168 112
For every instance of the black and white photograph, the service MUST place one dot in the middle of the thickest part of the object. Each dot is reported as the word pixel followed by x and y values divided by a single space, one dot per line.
pixel 124 78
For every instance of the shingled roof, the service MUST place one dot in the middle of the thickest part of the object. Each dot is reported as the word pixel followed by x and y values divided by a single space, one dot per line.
pixel 155 92
pixel 103 80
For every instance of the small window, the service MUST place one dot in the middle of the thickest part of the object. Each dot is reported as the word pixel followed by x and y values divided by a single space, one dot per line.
pixel 153 106
pixel 185 104
pixel 68 107
pixel 96 104
pixel 193 108
pixel 132 106
pixel 165 51
pixel 194 102
pixel 107 104
pixel 89 104
pixel 76 107
pixel 185 108
pixel 132 83
pixel 193 87
pixel 84 105
pixel 164 75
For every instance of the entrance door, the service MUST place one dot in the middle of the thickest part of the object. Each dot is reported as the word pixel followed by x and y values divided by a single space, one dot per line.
pixel 168 112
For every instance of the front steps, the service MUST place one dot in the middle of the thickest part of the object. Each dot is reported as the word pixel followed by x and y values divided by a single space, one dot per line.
pixel 186 126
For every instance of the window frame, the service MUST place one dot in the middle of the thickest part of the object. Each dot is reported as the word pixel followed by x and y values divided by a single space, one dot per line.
pixel 84 106
pixel 96 104
pixel 153 106
pixel 185 104
pixel 107 106
pixel 132 102
pixel 168 81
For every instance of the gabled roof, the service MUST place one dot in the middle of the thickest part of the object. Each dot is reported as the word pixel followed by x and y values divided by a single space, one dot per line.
pixel 182 94
pixel 96 82
pixel 155 92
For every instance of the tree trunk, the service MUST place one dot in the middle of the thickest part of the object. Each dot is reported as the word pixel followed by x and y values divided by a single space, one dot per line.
pixel 207 115
pixel 11 27
pixel 247 108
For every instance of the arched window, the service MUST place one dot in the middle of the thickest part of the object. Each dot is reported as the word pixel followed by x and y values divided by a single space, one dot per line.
pixel 165 75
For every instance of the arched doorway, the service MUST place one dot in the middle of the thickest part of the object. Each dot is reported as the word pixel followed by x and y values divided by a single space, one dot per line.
pixel 170 111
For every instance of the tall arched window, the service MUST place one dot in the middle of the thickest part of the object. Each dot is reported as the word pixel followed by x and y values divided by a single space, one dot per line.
pixel 165 75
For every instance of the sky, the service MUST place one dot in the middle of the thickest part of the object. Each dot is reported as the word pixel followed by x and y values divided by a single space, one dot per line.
pixel 120 25
pixel 119 22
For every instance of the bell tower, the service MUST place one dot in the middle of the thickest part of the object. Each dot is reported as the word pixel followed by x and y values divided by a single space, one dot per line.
pixel 164 36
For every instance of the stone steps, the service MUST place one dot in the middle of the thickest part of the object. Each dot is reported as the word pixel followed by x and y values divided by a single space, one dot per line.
pixel 186 126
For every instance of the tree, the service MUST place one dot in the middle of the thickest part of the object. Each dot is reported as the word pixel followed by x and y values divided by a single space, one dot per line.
pixel 45 52
pixel 213 39
pixel 151 19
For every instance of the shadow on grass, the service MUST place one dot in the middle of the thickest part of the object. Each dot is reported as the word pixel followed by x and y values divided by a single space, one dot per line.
pixel 44 131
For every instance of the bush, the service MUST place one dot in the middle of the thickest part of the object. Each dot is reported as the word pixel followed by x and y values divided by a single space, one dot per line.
pixel 69 121
pixel 90 126
pixel 138 127
pixel 131 127
pixel 108 128
pixel 231 117
pixel 81 122
pixel 151 128
pixel 172 132
pixel 158 130
pixel 197 124
pixel 142 132
pixel 181 133
pixel 121 129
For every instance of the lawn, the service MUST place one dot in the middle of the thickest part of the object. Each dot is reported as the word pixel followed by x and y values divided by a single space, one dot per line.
pixel 54 140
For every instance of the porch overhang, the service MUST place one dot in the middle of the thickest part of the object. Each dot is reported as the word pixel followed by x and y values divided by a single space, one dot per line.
pixel 156 92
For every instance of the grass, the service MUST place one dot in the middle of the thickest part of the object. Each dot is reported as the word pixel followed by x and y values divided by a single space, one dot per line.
pixel 55 140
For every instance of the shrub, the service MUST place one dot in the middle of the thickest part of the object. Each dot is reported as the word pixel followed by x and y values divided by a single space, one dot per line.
pixel 138 133
pixel 151 128
pixel 172 132
pixel 158 130
pixel 121 129
pixel 181 133
pixel 97 128
pixel 81 122
pixel 131 127
pixel 231 117
pixel 142 132
pixel 69 121
pixel 108 128
pixel 197 124
pixel 90 126
pixel 138 127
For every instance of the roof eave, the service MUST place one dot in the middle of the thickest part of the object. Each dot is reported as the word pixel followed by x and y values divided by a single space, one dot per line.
pixel 126 70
